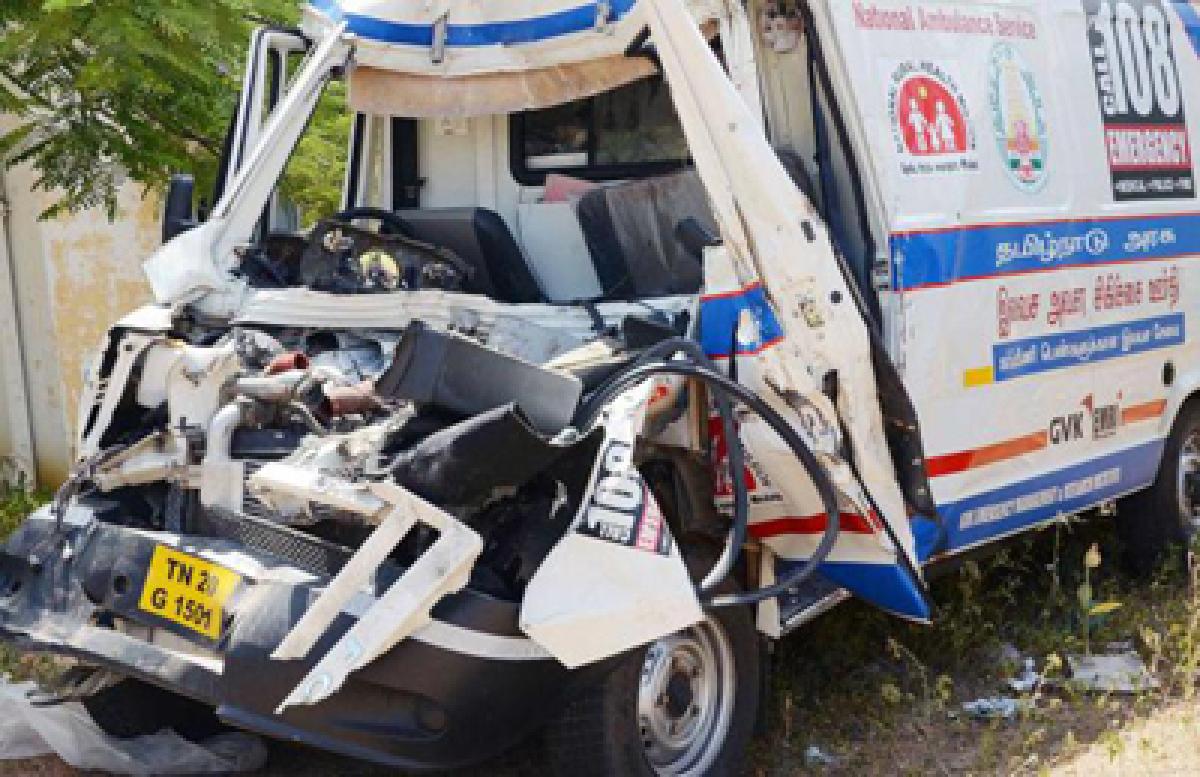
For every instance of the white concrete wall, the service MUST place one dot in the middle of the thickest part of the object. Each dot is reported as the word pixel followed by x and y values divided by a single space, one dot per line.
pixel 70 279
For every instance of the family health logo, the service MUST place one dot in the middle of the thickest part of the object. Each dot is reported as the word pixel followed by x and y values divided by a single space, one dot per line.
pixel 931 125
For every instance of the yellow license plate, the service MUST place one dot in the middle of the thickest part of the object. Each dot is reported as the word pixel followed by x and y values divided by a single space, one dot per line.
pixel 188 590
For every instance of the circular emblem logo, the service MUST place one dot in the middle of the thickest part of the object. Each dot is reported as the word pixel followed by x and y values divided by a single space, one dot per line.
pixel 1018 118
pixel 931 121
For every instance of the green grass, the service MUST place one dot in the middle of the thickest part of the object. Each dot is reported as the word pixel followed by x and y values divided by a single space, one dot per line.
pixel 15 505
pixel 881 694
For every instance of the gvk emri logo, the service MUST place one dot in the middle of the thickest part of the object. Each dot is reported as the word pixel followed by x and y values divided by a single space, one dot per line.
pixel 1067 428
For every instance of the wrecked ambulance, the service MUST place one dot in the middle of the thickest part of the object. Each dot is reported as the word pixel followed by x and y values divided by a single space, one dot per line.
pixel 544 430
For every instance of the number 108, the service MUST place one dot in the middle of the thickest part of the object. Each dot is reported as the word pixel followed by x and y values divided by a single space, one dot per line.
pixel 1136 47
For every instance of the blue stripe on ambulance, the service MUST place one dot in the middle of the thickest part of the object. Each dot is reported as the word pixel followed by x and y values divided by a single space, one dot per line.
pixel 945 256
pixel 982 517
pixel 890 587
pixel 985 517
pixel 1189 12
pixel 886 586
pixel 1061 350
pixel 513 32
pixel 719 316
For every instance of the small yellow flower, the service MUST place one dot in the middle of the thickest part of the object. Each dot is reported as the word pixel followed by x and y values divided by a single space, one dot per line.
pixel 1092 557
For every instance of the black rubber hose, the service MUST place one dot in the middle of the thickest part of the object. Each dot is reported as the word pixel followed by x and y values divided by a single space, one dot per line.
pixel 798 446
pixel 736 459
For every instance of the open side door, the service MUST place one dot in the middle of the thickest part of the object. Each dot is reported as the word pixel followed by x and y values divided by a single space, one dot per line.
pixel 270 61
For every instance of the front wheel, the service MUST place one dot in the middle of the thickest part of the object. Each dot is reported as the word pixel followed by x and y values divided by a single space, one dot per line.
pixel 684 706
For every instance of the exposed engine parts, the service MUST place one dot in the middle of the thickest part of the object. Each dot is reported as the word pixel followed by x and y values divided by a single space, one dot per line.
pixel 483 435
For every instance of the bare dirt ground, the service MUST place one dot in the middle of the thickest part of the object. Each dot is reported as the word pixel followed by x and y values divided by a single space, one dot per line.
pixel 1162 743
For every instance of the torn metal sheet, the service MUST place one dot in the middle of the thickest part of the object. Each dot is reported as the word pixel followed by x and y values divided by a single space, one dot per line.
pixel 403 609
pixel 773 237
pixel 617 579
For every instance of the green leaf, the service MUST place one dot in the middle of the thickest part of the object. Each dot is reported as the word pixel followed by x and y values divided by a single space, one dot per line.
pixel 123 88
pixel 59 5
pixel 1085 595
pixel 1104 608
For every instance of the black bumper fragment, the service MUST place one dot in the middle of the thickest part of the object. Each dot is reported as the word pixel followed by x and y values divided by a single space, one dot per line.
pixel 424 704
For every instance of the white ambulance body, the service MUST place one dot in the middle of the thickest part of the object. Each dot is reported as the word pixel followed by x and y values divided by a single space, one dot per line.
pixel 1041 256
pixel 1033 179
pixel 1022 177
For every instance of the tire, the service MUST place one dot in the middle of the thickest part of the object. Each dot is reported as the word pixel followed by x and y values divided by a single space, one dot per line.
pixel 620 726
pixel 1157 524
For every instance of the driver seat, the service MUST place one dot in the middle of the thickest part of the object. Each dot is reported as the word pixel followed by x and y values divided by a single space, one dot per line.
pixel 481 239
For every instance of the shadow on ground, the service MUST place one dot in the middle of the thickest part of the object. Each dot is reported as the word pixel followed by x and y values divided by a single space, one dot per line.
pixel 860 693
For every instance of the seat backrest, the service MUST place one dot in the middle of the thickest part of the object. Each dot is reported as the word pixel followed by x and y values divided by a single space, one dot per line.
pixel 630 233
pixel 482 239
pixel 630 230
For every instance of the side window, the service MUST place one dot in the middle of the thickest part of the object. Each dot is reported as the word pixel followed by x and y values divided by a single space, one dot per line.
pixel 628 132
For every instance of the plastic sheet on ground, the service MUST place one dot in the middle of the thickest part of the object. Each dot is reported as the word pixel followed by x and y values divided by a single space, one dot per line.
pixel 1123 672
pixel 66 730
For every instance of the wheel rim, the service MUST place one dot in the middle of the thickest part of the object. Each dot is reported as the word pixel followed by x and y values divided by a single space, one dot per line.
pixel 686 698
pixel 1188 484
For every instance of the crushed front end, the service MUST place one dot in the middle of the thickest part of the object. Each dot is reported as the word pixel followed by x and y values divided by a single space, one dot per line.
pixel 333 492
pixel 462 689
pixel 325 534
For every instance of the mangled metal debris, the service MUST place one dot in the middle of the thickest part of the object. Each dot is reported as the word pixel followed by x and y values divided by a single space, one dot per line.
pixel 338 458
pixel 441 569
